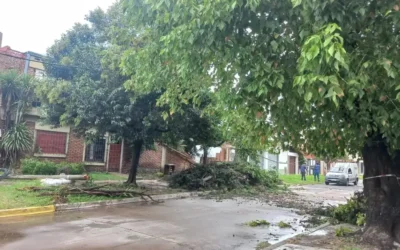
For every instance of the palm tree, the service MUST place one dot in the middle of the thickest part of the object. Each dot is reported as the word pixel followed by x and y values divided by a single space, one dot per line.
pixel 16 96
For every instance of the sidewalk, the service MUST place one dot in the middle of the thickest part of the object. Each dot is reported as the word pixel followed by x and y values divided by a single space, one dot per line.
pixel 323 239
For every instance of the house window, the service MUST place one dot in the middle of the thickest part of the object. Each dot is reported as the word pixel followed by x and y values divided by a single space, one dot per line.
pixel 49 142
pixel 94 151
pixel 36 103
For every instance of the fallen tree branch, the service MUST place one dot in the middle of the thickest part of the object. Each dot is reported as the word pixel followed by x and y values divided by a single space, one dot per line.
pixel 97 191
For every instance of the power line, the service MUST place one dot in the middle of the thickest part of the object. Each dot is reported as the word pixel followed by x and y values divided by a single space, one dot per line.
pixel 49 63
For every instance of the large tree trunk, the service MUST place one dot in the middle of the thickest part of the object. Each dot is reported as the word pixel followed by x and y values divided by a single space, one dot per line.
pixel 137 150
pixel 205 155
pixel 382 193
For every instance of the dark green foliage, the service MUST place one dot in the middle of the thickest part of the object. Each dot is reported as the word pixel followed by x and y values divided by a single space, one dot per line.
pixel 28 166
pixel 353 212
pixel 87 92
pixel 16 97
pixel 223 176
pixel 36 167
pixel 71 168
pixel 350 211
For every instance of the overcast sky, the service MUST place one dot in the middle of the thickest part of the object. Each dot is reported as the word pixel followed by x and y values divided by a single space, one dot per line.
pixel 33 25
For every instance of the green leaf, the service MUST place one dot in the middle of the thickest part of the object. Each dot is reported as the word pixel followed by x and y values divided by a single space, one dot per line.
pixel 333 79
pixel 331 50
pixel 327 41
pixel 331 92
pixel 296 3
pixel 191 39
pixel 338 90
pixel 274 45
pixel 339 57
pixel 221 25
pixel 334 99
pixel 308 96
pixel 313 52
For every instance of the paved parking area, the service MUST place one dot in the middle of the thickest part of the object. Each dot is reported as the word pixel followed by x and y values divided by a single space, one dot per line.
pixel 176 224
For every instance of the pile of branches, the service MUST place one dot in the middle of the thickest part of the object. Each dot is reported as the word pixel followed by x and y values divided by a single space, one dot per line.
pixel 60 194
pixel 223 175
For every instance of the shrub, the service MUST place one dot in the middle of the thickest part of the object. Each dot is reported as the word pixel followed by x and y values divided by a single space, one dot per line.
pixel 28 166
pixel 36 167
pixel 223 175
pixel 45 168
pixel 71 168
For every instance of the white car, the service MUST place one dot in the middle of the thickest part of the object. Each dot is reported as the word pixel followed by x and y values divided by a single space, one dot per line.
pixel 343 173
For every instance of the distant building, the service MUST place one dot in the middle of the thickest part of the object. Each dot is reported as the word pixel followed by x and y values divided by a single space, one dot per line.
pixel 285 162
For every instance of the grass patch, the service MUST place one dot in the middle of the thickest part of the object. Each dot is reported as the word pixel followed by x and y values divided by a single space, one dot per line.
pixel 262 245
pixel 257 223
pixel 283 224
pixel 12 198
pixel 99 176
pixel 295 179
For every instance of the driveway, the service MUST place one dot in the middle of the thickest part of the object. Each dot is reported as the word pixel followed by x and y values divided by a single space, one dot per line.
pixel 330 194
pixel 176 224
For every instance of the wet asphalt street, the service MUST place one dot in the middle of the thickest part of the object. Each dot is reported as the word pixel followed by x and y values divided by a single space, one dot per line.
pixel 176 224
pixel 330 194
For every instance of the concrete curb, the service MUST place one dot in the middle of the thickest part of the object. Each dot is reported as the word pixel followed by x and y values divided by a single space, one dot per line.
pixel 26 211
pixel 83 205
pixel 303 234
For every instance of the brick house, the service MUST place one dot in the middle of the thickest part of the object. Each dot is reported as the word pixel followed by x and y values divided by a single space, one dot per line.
pixel 61 144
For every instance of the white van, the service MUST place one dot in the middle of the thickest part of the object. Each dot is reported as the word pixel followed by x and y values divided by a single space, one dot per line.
pixel 343 173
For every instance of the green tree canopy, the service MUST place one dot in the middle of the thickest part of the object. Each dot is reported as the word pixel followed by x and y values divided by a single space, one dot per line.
pixel 86 92
pixel 320 76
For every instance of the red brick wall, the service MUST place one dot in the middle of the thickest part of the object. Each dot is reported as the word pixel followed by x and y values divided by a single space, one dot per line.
pixel 11 63
pixel 177 159
pixel 76 147
pixel 151 158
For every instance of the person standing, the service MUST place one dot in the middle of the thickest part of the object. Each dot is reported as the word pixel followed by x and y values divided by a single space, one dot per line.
pixel 303 170
pixel 317 170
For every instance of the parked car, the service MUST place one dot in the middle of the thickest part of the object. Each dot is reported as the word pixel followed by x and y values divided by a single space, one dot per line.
pixel 343 173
